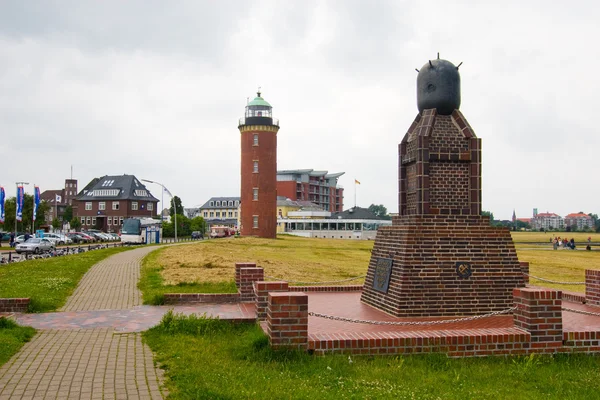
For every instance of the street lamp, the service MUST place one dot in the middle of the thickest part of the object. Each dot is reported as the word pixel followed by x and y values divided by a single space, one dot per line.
pixel 17 204
pixel 163 204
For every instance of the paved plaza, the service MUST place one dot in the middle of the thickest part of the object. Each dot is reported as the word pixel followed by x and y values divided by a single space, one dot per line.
pixel 95 363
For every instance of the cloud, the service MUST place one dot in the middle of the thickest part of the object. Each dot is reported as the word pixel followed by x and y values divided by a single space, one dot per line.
pixel 156 90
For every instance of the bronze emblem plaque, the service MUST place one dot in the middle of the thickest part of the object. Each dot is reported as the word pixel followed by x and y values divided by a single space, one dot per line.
pixel 463 269
pixel 383 271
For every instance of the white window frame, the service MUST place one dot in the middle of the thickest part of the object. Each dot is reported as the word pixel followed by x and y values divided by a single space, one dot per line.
pixel 102 206
pixel 88 221
pixel 134 205
pixel 82 220
pixel 255 140
pixel 115 205
pixel 255 167
pixel 93 221
pixel 121 221
pixel 254 194
pixel 255 222
pixel 150 207
pixel 218 214
pixel 205 214
pixel 88 205
pixel 109 221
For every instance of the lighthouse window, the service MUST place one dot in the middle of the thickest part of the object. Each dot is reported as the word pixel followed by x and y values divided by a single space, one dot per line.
pixel 255 169
pixel 255 143
pixel 255 194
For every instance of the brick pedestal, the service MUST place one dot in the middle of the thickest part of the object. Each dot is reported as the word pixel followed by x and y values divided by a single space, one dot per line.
pixel 428 253
pixel 239 266
pixel 247 278
pixel 592 287
pixel 539 312
pixel 287 320
pixel 261 291
pixel 525 270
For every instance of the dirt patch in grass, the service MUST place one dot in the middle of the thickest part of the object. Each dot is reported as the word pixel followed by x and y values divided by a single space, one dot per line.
pixel 288 257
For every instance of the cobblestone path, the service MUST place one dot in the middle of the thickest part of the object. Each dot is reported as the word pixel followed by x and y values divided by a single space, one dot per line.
pixel 92 363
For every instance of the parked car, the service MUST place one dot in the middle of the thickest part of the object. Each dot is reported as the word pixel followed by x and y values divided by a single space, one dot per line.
pixel 95 235
pixel 5 236
pixel 197 235
pixel 115 237
pixel 35 245
pixel 88 238
pixel 20 239
pixel 76 238
pixel 57 239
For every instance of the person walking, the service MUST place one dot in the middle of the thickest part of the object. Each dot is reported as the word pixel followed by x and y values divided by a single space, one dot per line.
pixel 12 239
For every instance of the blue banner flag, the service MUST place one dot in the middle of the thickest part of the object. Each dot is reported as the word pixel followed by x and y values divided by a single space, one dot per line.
pixel 36 200
pixel 2 195
pixel 20 199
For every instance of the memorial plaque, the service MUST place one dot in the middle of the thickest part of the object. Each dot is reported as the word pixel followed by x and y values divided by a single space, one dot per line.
pixel 383 271
pixel 463 269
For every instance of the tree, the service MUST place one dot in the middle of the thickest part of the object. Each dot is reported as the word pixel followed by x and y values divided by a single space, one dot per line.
pixel 27 222
pixel 198 224
pixel 379 210
pixel 68 215
pixel 56 224
pixel 75 223
pixel 177 201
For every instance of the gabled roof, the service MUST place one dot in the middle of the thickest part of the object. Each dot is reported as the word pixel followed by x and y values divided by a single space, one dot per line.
pixel 546 215
pixel 50 195
pixel 115 187
pixel 578 215
pixel 221 200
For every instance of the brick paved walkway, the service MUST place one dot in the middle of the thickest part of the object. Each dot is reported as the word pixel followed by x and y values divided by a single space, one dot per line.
pixel 89 363
pixel 111 284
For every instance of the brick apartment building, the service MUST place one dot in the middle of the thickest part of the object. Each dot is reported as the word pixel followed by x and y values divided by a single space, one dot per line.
pixel 105 202
pixel 547 221
pixel 318 187
pixel 579 221
pixel 59 199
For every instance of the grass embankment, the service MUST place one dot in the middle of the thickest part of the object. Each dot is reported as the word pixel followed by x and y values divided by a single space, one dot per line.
pixel 209 266
pixel 210 359
pixel 563 265
pixel 581 238
pixel 12 338
pixel 48 282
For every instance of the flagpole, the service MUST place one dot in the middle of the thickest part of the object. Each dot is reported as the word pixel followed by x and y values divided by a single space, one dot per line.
pixel 354 193
pixel 33 213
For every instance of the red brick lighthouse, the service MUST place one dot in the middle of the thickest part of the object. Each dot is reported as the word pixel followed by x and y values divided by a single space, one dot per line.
pixel 258 131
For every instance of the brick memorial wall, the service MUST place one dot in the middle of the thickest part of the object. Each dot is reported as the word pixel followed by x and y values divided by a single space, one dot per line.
pixel 441 257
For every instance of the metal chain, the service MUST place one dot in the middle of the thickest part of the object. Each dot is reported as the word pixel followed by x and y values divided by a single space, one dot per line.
pixel 411 323
pixel 581 311
pixel 549 281
pixel 315 283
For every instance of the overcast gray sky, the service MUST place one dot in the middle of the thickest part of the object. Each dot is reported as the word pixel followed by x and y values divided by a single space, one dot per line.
pixel 155 89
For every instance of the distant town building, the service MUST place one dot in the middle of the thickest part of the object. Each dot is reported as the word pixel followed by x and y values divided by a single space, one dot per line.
pixel 318 187
pixel 579 221
pixel 106 201
pixel 354 223
pixel 547 221
pixel 220 211
pixel 59 199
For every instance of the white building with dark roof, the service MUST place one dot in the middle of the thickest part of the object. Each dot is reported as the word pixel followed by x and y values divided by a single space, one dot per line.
pixel 221 211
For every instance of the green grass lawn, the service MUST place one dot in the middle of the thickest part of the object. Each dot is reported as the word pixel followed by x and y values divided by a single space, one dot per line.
pixel 153 287
pixel 12 338
pixel 48 282
pixel 212 359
